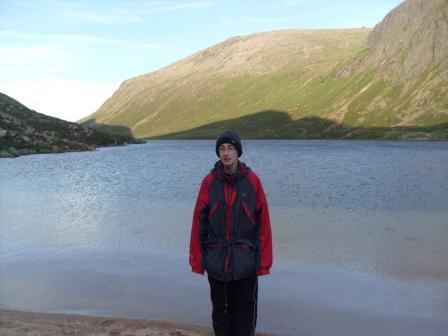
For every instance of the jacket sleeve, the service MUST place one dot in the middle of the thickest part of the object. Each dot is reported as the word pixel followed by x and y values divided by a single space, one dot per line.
pixel 198 228
pixel 265 234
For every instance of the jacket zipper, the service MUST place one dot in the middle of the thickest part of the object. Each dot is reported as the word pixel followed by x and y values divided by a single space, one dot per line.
pixel 228 212
pixel 228 226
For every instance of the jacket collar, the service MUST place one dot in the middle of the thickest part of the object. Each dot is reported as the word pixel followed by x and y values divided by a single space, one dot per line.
pixel 241 171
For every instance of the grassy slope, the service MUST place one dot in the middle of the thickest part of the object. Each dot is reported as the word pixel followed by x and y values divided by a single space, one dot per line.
pixel 192 98
pixel 306 83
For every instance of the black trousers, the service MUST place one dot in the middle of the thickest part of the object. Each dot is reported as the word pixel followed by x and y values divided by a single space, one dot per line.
pixel 234 306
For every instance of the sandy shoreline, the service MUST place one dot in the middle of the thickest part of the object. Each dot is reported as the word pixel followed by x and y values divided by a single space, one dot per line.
pixel 15 323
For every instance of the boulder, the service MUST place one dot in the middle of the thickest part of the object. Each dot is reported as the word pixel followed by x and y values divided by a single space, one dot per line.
pixel 5 154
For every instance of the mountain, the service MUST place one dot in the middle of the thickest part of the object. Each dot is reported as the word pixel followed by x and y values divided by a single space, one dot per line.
pixel 388 82
pixel 23 131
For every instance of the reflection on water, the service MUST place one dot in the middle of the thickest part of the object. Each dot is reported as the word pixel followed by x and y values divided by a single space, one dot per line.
pixel 375 209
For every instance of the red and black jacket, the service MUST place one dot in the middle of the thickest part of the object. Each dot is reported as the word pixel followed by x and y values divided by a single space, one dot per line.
pixel 231 233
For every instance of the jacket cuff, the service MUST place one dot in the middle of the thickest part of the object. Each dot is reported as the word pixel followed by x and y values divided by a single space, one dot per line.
pixel 198 270
pixel 263 271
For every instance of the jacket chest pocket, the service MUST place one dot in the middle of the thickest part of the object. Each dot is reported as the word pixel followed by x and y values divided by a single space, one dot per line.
pixel 216 221
pixel 248 214
pixel 213 211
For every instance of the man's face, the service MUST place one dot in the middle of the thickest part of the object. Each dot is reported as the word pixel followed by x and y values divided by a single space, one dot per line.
pixel 228 154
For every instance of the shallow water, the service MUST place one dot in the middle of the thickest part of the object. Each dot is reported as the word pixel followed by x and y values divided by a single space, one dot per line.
pixel 360 234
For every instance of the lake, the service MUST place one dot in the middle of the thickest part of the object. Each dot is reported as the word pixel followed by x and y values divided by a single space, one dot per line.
pixel 360 232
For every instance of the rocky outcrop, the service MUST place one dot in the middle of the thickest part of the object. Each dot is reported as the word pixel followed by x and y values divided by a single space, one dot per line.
pixel 412 38
pixel 407 55
pixel 23 131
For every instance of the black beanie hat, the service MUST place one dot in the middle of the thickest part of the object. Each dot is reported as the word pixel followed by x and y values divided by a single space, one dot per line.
pixel 230 137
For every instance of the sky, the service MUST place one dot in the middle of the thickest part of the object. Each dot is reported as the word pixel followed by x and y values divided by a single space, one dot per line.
pixel 65 58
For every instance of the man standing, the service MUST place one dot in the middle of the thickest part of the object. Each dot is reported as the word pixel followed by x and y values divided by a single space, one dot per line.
pixel 231 238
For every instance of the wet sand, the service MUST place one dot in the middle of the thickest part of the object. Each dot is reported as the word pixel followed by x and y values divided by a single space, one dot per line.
pixel 15 323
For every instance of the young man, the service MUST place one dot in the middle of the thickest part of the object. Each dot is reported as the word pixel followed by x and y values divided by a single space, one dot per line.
pixel 231 238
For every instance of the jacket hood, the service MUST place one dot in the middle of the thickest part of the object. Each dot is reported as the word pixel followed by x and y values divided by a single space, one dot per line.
pixel 241 171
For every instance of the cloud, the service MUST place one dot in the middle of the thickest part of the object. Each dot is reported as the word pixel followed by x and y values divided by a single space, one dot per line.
pixel 65 99
pixel 77 38
pixel 270 20
pixel 88 15
pixel 21 61
pixel 249 21
pixel 127 12
pixel 292 3
pixel 149 7
pixel 31 56
pixel 193 5
pixel 58 75
pixel 21 54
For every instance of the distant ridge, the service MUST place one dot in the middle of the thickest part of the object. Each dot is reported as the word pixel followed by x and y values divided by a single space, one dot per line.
pixel 393 76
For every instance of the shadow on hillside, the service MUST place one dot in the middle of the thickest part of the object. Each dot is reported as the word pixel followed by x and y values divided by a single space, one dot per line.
pixel 274 124
pixel 113 129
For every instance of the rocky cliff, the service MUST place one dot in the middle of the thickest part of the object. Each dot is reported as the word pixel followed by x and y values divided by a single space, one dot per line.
pixel 411 39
